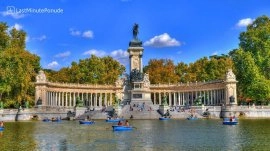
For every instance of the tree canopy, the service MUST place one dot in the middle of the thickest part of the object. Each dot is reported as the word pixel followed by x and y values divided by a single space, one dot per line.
pixel 252 61
pixel 204 69
pixel 93 70
pixel 18 68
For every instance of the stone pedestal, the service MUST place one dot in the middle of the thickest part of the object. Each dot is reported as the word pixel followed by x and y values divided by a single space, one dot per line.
pixel 118 110
pixel 163 109
pixel 80 111
pixel 140 96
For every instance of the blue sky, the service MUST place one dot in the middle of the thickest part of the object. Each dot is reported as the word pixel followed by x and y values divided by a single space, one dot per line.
pixel 181 30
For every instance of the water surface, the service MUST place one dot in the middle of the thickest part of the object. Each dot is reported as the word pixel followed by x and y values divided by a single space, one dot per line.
pixel 148 135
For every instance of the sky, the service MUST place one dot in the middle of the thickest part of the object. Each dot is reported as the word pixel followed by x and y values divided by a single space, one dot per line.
pixel 63 31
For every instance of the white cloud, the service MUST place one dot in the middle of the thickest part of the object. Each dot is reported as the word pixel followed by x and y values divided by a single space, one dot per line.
pixel 244 22
pixel 85 34
pixel 121 55
pixel 88 34
pixel 99 53
pixel 163 40
pixel 12 14
pixel 52 65
pixel 16 26
pixel 74 32
pixel 215 53
pixel 63 55
pixel 40 38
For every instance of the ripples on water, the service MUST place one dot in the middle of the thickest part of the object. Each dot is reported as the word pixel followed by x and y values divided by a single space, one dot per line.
pixel 148 135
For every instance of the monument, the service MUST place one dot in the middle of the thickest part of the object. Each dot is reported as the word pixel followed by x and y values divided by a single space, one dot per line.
pixel 140 92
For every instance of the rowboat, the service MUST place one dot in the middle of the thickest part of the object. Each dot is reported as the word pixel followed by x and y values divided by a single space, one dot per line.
pixel 114 120
pixel 227 121
pixel 121 128
pixel 87 122
pixel 56 120
pixel 192 118
pixel 46 120
pixel 164 118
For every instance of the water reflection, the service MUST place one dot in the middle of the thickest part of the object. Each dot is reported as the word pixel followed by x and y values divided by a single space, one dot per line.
pixel 18 136
pixel 148 135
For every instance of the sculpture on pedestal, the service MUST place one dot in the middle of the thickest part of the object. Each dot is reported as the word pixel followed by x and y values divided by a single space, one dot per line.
pixel 135 42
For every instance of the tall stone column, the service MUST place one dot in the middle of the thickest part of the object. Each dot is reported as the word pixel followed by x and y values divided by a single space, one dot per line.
pixel 96 99
pixel 110 98
pixel 41 89
pixel 170 99
pixel 230 88
pixel 159 98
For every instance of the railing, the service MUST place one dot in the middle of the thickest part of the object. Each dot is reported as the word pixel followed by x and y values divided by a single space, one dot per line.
pixel 80 85
pixel 187 84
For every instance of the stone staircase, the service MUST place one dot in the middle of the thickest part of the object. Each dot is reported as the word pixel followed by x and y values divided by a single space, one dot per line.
pixel 149 112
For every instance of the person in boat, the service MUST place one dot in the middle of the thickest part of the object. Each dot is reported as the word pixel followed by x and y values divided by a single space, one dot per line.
pixel 119 123
pixel 231 119
pixel 2 124
pixel 126 123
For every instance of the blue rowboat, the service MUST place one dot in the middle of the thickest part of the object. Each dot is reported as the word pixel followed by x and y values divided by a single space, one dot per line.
pixel 46 120
pixel 121 128
pixel 87 122
pixel 192 118
pixel 164 118
pixel 113 120
pixel 227 121
pixel 1 128
pixel 56 120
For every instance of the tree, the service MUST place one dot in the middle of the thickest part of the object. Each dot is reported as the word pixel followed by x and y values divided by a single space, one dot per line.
pixel 252 61
pixel 252 84
pixel 256 40
pixel 93 70
pixel 181 70
pixel 18 68
pixel 161 71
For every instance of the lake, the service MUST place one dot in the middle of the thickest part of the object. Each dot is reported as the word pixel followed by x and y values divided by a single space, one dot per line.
pixel 148 135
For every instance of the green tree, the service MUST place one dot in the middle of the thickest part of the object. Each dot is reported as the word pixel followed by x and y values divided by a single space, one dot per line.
pixel 252 61
pixel 93 70
pixel 18 68
pixel 181 70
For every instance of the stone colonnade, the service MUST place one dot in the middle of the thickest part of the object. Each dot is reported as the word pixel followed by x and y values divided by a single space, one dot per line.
pixel 68 99
pixel 208 93
pixel 178 98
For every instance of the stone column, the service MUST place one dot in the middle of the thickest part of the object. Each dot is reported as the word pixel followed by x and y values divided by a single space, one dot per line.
pixel 155 101
pixel 170 99
pixel 174 98
pixel 91 101
pixel 100 99
pixel 87 100
pixel 105 99
pixel 159 98
pixel 74 98
pixel 95 99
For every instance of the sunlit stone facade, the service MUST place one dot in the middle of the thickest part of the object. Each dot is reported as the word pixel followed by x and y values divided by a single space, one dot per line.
pixel 181 94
